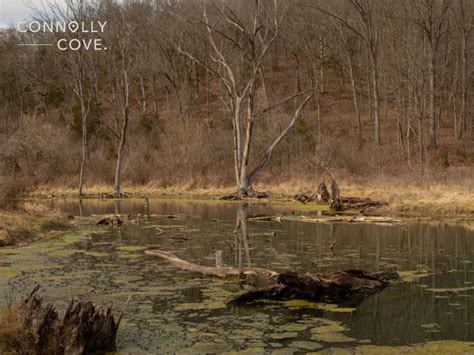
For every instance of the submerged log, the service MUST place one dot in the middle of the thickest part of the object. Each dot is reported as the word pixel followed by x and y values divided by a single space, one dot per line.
pixel 348 287
pixel 115 195
pixel 115 220
pixel 249 194
pixel 84 328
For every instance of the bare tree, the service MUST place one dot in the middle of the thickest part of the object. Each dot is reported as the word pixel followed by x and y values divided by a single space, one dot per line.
pixel 239 45
pixel 367 26
pixel 431 17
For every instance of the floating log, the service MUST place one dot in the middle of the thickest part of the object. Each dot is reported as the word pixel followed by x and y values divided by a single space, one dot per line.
pixel 84 328
pixel 265 218
pixel 348 287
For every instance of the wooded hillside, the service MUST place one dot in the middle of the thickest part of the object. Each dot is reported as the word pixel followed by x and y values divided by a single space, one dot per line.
pixel 214 93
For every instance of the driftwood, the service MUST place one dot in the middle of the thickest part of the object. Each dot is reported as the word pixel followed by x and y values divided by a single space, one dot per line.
pixel 84 328
pixel 346 219
pixel 342 287
pixel 263 217
pixel 219 271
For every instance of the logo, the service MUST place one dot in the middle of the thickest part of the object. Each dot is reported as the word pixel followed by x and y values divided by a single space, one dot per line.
pixel 71 35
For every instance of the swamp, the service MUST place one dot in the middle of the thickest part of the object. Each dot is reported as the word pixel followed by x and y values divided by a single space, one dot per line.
pixel 171 310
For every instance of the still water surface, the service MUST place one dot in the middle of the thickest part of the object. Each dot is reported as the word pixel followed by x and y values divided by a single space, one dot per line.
pixel 172 310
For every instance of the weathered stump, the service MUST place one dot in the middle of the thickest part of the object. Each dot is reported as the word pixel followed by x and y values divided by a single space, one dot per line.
pixel 84 328
pixel 323 193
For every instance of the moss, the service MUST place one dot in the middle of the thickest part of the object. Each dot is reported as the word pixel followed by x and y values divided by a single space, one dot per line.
pixel 331 333
pixel 431 347
pixel 329 307
pixel 130 248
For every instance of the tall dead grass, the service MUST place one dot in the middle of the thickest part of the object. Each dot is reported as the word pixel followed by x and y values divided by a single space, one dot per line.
pixel 13 337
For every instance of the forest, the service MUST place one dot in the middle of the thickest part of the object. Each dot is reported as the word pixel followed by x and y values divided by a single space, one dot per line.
pixel 229 94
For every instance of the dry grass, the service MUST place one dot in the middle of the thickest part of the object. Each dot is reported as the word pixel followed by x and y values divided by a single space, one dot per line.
pixel 435 199
pixel 403 195
pixel 13 337
pixel 29 223
pixel 150 189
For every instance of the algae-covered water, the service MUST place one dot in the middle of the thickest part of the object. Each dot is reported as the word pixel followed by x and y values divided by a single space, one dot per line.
pixel 174 311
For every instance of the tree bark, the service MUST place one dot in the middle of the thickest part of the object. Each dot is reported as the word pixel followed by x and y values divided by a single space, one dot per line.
pixel 123 134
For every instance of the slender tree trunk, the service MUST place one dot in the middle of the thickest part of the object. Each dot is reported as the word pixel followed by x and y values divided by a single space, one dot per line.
pixel 143 93
pixel 115 109
pixel 375 87
pixel 123 134
pixel 321 64
pixel 462 111
pixel 155 102
pixel 318 117
pixel 432 85
pixel 84 112
pixel 354 93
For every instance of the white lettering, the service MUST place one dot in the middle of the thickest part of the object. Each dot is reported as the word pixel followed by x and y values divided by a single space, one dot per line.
pixel 59 44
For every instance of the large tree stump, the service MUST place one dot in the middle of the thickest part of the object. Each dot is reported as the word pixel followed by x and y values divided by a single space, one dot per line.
pixel 84 328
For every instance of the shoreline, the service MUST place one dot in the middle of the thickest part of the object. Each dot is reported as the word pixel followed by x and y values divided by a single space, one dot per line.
pixel 435 202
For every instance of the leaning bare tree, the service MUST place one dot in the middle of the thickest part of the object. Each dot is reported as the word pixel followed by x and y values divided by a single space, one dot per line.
pixel 239 37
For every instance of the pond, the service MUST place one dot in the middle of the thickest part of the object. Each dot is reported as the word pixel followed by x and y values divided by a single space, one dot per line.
pixel 174 311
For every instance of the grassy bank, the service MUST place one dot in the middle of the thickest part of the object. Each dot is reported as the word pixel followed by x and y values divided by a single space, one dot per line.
pixel 413 199
pixel 28 223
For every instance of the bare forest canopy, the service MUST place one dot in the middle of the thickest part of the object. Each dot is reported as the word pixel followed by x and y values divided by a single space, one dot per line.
pixel 230 92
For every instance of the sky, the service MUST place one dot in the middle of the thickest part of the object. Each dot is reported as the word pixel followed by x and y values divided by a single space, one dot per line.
pixel 13 11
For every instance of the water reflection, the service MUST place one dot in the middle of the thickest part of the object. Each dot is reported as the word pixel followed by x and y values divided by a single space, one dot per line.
pixel 172 310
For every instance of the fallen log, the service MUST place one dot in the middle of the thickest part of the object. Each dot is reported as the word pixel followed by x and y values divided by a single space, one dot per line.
pixel 219 271
pixel 361 203
pixel 38 329
pixel 348 287
pixel 345 219
pixel 249 194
